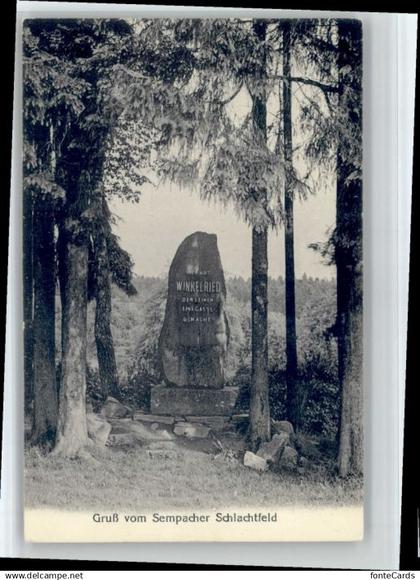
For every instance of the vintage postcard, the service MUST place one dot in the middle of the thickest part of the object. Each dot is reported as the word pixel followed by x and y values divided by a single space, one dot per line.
pixel 192 225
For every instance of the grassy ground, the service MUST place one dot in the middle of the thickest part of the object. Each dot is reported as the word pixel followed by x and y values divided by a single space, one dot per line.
pixel 136 477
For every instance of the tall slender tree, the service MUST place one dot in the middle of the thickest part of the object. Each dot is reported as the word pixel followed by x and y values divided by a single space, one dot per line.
pixel 42 196
pixel 87 45
pixel 293 399
pixel 44 375
pixel 69 84
pixel 348 248
pixel 109 264
pixel 259 400
pixel 107 365
pixel 28 301
pixel 72 437
pixel 105 46
pixel 335 54
pixel 311 46
pixel 81 173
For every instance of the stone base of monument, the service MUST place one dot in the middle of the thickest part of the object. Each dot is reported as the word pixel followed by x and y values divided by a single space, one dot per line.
pixel 182 401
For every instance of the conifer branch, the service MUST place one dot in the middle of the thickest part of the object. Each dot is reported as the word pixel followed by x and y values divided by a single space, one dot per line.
pixel 322 86
pixel 233 95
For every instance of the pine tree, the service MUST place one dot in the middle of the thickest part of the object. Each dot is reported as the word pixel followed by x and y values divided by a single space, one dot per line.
pixel 109 264
pixel 85 220
pixel 311 46
pixel 67 61
pixel 293 398
pixel 42 197
pixel 259 410
pixel 348 249
pixel 202 145
pixel 335 143
pixel 81 164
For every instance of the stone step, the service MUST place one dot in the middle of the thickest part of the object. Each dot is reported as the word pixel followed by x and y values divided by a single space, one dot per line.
pixel 165 419
pixel 193 402
pixel 215 422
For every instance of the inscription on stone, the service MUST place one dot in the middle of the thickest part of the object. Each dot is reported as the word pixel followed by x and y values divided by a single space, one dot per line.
pixel 195 331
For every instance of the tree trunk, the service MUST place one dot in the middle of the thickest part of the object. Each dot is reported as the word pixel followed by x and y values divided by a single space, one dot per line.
pixel 103 335
pixel 259 402
pixel 72 435
pixel 259 399
pixel 44 377
pixel 28 301
pixel 61 271
pixel 80 170
pixel 293 398
pixel 348 258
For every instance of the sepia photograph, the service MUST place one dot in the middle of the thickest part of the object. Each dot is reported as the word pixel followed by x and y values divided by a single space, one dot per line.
pixel 193 279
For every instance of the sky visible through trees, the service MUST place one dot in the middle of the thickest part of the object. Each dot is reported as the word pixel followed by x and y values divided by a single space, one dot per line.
pixel 173 210
pixel 170 209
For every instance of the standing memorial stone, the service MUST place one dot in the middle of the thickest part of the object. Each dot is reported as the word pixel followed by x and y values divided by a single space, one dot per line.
pixel 195 333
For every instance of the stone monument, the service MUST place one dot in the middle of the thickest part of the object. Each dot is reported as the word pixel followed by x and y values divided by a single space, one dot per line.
pixel 195 334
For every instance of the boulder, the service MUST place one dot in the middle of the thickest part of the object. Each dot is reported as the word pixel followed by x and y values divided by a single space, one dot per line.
pixel 303 465
pixel 98 429
pixel 282 426
pixel 191 430
pixel 272 450
pixel 255 461
pixel 308 447
pixel 303 462
pixel 288 459
pixel 227 456
pixel 195 331
pixel 113 409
